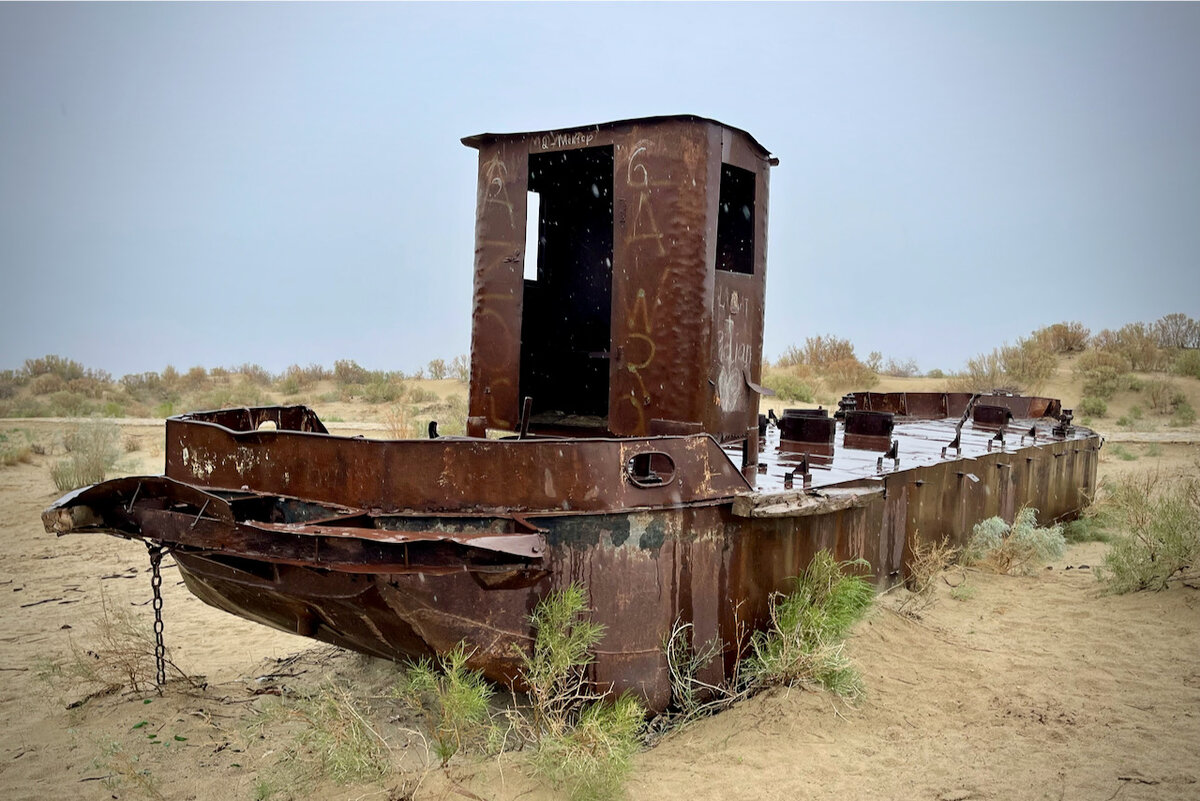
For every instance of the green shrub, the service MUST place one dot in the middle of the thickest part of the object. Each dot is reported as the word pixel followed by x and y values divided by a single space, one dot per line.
pixel 1087 528
pixel 584 743
pixel 935 373
pixel 1093 406
pixel 1124 422
pixel 1184 415
pixel 1158 525
pixel 422 395
pixel 1122 454
pixel 382 390
pixel 92 450
pixel 788 387
pixel 338 739
pixel 455 697
pixel 1187 363
pixel 591 760
pixel 804 638
pixel 1104 382
pixel 553 672
pixel 69 404
pixel 1018 548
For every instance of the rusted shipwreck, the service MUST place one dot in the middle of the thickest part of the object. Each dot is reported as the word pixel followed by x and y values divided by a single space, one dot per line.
pixel 616 350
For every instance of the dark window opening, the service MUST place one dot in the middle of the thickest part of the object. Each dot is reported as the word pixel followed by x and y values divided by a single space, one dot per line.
pixel 567 307
pixel 650 469
pixel 735 221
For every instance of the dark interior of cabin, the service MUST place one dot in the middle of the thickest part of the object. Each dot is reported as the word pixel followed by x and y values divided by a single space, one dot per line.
pixel 566 317
pixel 735 221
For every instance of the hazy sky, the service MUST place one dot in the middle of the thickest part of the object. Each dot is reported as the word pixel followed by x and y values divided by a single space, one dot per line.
pixel 214 184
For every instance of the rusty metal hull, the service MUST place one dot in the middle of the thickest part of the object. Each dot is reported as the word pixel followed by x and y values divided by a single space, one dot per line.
pixel 407 548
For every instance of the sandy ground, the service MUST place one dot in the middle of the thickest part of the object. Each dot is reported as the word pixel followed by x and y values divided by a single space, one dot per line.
pixel 1031 687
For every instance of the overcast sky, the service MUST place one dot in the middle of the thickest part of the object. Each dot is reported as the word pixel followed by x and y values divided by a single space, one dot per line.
pixel 216 184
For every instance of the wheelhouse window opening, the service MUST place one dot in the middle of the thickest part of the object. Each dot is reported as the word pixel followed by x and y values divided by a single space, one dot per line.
pixel 567 306
pixel 735 221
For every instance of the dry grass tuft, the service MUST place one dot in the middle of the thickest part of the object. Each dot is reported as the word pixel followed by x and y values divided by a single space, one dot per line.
pixel 928 562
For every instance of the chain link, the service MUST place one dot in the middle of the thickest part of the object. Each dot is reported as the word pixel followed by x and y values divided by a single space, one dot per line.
pixel 160 651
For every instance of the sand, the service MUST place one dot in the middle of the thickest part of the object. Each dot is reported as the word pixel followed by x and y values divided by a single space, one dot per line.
pixel 1031 687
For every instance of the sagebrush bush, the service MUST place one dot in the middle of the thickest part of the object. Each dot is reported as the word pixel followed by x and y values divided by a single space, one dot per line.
pixel 1157 526
pixel 788 387
pixel 1093 406
pixel 92 450
pixel 1016 548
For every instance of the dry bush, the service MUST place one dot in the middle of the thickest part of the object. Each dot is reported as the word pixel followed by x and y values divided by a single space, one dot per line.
pixel 460 369
pixel 905 369
pixel 399 422
pixel 1177 331
pixel 92 450
pixel 348 371
pixel 1063 337
pixel 16 448
pixel 848 374
pixel 1163 396
pixel 437 369
pixel 255 374
pixel 303 377
pixel 824 351
pixel 1136 343
pixel 194 379
pixel 47 384
pixel 66 369
pixel 929 561
pixel 118 654
pixel 1023 367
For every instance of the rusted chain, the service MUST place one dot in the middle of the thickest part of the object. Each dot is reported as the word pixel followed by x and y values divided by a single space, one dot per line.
pixel 160 651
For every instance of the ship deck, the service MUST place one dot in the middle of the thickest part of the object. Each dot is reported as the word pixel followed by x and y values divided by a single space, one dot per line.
pixel 920 442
